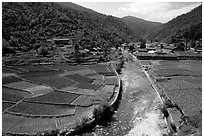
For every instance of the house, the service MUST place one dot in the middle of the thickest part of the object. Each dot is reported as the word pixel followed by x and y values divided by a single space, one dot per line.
pixel 84 52
pixel 60 42
pixel 179 47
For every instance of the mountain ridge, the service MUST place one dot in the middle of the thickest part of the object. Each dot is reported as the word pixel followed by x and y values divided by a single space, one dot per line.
pixel 78 7
pixel 179 25
pixel 27 26
pixel 149 25
pixel 139 26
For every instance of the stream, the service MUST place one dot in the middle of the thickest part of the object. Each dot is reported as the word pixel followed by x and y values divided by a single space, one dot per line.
pixel 138 113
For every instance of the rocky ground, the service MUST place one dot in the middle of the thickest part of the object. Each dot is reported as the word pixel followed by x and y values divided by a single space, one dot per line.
pixel 147 119
pixel 139 110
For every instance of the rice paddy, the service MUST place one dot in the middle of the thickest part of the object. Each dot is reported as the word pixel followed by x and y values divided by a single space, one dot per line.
pixel 43 98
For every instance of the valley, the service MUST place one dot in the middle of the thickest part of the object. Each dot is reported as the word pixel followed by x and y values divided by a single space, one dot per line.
pixel 68 70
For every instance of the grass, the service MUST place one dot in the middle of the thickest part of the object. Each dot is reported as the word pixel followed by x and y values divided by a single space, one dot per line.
pixel 85 85
pixel 169 63
pixel 98 82
pixel 101 115
pixel 13 92
pixel 31 68
pixel 42 109
pixel 9 70
pixel 11 97
pixel 179 68
pixel 119 65
pixel 40 73
pixel 111 81
pixel 107 73
pixel 21 85
pixel 39 90
pixel 99 68
pixel 107 88
pixel 145 62
pixel 102 112
pixel 195 82
pixel 10 79
pixel 28 125
pixel 110 69
pixel 66 67
pixel 62 122
pixel 95 76
pixel 52 81
pixel 172 72
pixel 83 101
pixel 6 105
pixel 9 121
pixel 80 78
pixel 54 97
pixel 190 101
pixel 81 126
pixel 83 71
pixel 177 84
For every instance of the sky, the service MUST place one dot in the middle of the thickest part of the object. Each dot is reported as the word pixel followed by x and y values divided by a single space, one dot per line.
pixel 151 11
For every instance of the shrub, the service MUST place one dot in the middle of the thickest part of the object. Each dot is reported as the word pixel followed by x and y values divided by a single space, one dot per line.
pixel 103 112
pixel 51 133
pixel 82 126
pixel 119 65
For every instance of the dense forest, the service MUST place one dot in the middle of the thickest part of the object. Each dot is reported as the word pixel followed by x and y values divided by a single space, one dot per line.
pixel 187 26
pixel 27 26
pixel 139 26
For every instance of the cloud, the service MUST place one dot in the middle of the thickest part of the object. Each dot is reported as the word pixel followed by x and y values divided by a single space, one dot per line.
pixel 155 11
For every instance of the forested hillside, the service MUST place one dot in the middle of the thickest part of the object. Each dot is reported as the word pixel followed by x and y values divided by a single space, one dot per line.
pixel 78 7
pixel 139 26
pixel 27 26
pixel 188 25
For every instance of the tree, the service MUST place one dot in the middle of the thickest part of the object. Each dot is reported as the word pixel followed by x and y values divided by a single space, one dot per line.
pixel 180 46
pixel 24 24
pixel 142 43
pixel 185 35
pixel 43 50
pixel 105 49
pixel 76 50
pixel 6 48
pixel 131 48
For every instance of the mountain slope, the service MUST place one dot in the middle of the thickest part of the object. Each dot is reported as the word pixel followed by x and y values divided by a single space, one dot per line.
pixel 78 7
pixel 139 26
pixel 189 22
pixel 27 26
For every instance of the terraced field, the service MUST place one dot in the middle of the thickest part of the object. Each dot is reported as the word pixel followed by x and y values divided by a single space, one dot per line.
pixel 10 70
pixel 32 109
pixel 54 98
pixel 182 83
pixel 10 79
pixel 39 99
pixel 55 81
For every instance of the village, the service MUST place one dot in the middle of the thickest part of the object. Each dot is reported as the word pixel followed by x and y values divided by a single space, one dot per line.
pixel 62 55
pixel 62 50
pixel 73 70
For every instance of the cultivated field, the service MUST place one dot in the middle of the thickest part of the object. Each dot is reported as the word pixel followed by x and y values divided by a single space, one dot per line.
pixel 43 98
pixel 181 82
